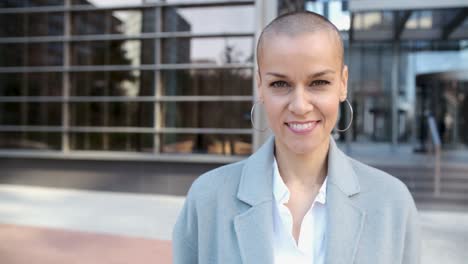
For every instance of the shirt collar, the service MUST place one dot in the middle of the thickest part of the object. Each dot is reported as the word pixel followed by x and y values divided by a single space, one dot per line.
pixel 281 191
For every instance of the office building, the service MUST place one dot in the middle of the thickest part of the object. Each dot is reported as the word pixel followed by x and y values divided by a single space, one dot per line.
pixel 166 87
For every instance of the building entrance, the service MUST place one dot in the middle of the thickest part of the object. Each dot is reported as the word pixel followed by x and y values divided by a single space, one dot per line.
pixel 443 95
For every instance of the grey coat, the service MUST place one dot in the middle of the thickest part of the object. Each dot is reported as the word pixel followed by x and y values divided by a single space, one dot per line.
pixel 228 217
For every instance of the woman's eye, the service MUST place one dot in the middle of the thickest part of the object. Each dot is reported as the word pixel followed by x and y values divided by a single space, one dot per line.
pixel 279 84
pixel 319 83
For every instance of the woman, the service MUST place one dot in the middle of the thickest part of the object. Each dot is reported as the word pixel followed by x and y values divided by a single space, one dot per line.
pixel 298 199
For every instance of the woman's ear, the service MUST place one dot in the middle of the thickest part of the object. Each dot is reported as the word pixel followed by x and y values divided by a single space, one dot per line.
pixel 258 80
pixel 344 83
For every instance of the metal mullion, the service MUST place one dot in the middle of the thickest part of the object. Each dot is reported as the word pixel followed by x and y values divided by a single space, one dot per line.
pixel 66 83
pixel 43 111
pixel 100 129
pixel 10 128
pixel 24 81
pixel 105 106
pixel 157 116
pixel 88 99
pixel 185 66
pixel 87 141
pixel 79 8
pixel 85 99
pixel 119 156
pixel 102 37
pixel 38 9
pixel 205 98
pixel 77 129
pixel 224 131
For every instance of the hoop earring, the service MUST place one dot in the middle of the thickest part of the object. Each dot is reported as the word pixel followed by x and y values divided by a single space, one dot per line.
pixel 252 117
pixel 350 121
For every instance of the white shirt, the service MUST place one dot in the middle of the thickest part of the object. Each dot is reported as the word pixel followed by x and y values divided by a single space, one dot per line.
pixel 310 248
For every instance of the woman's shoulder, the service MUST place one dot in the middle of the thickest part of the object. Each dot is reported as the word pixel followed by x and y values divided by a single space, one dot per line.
pixel 223 178
pixel 381 184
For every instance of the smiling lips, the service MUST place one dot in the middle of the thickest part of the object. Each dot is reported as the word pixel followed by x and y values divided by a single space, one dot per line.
pixel 302 127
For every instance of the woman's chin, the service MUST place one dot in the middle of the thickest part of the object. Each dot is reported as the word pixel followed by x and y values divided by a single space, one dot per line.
pixel 301 148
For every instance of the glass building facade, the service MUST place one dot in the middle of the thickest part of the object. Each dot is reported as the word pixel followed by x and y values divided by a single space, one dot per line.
pixel 160 79
pixel 148 77
pixel 392 51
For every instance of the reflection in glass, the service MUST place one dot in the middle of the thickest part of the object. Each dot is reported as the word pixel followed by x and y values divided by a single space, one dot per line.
pixel 443 95
pixel 207 50
pixel 12 25
pixel 113 83
pixel 209 19
pixel 45 54
pixel 30 140
pixel 89 23
pixel 461 32
pixel 207 143
pixel 426 19
pixel 122 22
pixel 117 52
pixel 112 142
pixel 127 22
pixel 416 20
pixel 430 19
pixel 30 3
pixel 12 55
pixel 32 24
pixel 107 3
pixel 368 20
pixel 185 1
pixel 335 10
pixel 32 114
pixel 207 114
pixel 32 54
pixel 31 84
pixel 45 24
pixel 372 89
pixel 373 20
pixel 120 114
pixel 207 82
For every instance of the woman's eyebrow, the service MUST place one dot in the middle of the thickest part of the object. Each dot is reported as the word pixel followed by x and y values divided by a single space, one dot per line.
pixel 279 75
pixel 321 73
pixel 313 75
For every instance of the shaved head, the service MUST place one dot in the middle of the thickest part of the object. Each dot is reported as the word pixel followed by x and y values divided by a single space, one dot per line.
pixel 298 23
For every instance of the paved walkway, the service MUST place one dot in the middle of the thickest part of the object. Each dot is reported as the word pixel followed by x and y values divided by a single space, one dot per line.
pixel 402 155
pixel 25 245
pixel 68 226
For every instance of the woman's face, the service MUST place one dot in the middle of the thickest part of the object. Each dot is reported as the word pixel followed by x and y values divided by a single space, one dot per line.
pixel 301 82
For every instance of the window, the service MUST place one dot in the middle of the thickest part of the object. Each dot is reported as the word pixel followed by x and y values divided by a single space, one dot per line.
pixel 139 77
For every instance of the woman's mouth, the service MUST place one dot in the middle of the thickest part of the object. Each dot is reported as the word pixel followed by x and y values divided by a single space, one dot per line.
pixel 302 127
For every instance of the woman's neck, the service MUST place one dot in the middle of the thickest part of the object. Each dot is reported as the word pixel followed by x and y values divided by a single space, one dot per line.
pixel 309 169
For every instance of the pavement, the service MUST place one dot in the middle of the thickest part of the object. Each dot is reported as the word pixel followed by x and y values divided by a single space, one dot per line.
pixel 48 225
pixel 383 153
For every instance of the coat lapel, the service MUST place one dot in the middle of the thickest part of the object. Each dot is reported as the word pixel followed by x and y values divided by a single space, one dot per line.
pixel 345 220
pixel 254 231
pixel 254 227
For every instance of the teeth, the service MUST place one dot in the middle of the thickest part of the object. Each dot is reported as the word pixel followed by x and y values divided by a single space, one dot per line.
pixel 301 127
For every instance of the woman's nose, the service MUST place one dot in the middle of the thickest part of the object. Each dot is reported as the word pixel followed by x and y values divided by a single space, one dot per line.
pixel 299 103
